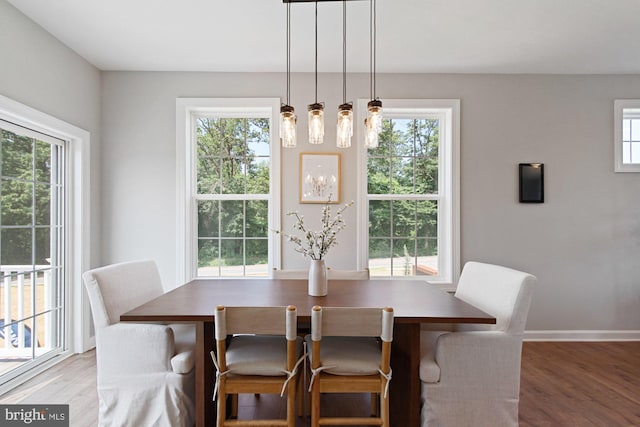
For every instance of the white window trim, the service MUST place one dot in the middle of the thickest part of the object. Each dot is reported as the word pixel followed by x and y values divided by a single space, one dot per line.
pixel 77 336
pixel 449 226
pixel 618 106
pixel 186 224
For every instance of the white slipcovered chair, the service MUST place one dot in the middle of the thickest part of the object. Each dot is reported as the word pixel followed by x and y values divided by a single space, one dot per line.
pixel 145 371
pixel 470 375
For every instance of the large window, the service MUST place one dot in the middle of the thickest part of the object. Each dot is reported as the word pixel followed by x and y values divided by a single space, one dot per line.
pixel 627 135
pixel 32 242
pixel 411 192
pixel 231 202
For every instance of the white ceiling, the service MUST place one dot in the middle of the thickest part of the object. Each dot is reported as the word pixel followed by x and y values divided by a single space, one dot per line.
pixel 414 36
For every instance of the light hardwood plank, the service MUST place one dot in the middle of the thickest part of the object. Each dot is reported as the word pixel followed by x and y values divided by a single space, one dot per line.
pixel 580 383
pixel 562 384
pixel 72 381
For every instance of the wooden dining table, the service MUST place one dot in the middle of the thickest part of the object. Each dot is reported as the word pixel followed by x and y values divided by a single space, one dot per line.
pixel 414 302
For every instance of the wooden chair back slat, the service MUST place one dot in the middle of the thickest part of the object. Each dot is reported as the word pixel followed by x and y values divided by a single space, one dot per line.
pixel 351 322
pixel 256 320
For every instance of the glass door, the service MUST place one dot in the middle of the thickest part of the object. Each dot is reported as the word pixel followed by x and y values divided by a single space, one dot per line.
pixel 32 249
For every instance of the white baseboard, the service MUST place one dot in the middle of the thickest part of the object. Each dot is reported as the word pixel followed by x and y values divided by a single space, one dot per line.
pixel 582 335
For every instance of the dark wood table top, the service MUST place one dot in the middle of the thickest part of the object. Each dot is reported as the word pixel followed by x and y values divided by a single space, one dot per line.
pixel 413 301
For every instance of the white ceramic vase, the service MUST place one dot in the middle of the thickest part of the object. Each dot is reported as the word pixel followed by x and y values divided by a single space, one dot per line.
pixel 317 278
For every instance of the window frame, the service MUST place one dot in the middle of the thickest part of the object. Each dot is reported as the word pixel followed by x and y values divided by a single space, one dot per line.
pixel 187 109
pixel 448 183
pixel 619 115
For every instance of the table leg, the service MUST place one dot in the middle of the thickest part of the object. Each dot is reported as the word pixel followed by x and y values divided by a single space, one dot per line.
pixel 205 411
pixel 404 390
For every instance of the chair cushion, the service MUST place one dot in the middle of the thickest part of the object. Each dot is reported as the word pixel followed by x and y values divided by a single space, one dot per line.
pixel 429 369
pixel 259 355
pixel 348 355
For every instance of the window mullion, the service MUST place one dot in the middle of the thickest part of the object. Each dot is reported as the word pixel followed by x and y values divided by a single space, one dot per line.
pixel 392 231
pixel 34 327
pixel 219 238
pixel 404 196
pixel 413 157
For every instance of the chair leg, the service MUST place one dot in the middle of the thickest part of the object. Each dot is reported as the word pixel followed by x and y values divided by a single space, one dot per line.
pixel 291 403
pixel 315 403
pixel 307 393
pixel 384 410
pixel 221 404
pixel 375 405
pixel 300 383
pixel 234 406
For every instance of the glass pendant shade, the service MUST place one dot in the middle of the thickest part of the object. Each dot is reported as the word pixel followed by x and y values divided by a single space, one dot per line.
pixel 373 123
pixel 370 135
pixel 288 126
pixel 375 114
pixel 345 126
pixel 316 123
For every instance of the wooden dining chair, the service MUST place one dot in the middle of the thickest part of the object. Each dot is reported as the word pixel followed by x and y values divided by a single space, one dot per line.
pixel 350 353
pixel 266 361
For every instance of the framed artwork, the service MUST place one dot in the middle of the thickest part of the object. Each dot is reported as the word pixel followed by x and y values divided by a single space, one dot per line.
pixel 531 182
pixel 319 177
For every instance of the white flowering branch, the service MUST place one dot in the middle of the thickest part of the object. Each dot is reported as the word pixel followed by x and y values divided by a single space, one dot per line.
pixel 316 244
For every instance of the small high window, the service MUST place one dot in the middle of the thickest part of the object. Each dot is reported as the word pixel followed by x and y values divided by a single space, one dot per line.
pixel 627 135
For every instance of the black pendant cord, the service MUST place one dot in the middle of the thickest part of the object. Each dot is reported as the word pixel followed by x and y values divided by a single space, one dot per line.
pixel 344 52
pixel 316 54
pixel 288 52
pixel 371 48
pixel 374 49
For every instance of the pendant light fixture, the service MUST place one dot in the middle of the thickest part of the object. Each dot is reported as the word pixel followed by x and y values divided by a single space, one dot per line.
pixel 344 130
pixel 373 122
pixel 316 110
pixel 287 112
pixel 345 111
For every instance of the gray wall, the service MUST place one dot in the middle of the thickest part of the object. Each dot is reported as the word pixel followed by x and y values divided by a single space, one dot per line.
pixel 40 72
pixel 583 243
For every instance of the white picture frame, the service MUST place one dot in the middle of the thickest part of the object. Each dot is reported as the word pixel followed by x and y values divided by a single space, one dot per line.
pixel 320 178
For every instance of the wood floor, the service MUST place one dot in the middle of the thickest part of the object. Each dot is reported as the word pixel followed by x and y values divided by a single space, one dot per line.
pixel 563 384
pixel 72 381
pixel 580 384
